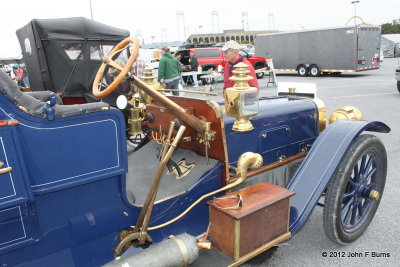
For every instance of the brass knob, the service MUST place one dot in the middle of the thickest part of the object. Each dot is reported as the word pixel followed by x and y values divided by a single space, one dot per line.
pixel 374 195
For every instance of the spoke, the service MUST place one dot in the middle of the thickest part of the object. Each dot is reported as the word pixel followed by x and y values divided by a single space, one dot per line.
pixel 366 203
pixel 371 186
pixel 114 65
pixel 356 174
pixel 362 166
pixel 369 174
pixel 353 214
pixel 352 183
pixel 347 216
pixel 369 163
pixel 360 209
pixel 347 205
pixel 349 194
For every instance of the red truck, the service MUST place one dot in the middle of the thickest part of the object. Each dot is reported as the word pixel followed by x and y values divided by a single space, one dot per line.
pixel 212 57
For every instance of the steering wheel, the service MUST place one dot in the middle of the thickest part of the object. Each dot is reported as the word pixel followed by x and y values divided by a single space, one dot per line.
pixel 108 60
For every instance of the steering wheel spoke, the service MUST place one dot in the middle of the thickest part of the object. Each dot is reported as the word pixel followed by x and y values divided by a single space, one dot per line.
pixel 109 60
pixel 112 63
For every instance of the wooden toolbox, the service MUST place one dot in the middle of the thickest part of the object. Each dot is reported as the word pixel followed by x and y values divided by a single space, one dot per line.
pixel 262 216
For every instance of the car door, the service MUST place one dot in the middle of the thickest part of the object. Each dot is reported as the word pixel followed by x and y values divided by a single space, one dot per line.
pixel 16 217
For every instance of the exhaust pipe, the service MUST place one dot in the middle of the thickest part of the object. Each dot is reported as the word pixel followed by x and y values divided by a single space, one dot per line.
pixel 178 250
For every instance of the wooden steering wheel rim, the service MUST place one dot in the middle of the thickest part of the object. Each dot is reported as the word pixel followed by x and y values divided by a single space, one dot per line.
pixel 123 73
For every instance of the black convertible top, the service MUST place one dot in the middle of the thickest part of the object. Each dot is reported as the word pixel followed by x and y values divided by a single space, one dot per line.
pixel 63 55
pixel 78 28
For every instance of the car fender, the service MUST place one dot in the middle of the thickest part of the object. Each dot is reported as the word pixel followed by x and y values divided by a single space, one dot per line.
pixel 316 170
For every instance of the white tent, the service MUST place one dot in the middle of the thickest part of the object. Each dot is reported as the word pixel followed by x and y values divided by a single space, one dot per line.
pixel 390 45
pixel 7 58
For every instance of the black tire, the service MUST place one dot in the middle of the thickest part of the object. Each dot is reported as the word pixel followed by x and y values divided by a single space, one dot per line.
pixel 314 71
pixel 259 75
pixel 348 209
pixel 398 86
pixel 302 70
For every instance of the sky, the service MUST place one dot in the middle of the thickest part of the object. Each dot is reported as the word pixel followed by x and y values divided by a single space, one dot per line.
pixel 157 20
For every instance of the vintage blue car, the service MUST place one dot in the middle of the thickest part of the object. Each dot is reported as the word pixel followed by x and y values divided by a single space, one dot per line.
pixel 71 194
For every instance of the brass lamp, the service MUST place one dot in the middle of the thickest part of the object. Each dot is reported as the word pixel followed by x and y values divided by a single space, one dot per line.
pixel 241 100
pixel 137 114
pixel 148 77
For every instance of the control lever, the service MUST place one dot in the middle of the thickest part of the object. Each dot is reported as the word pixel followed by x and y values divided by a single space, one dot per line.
pixel 145 214
pixel 208 136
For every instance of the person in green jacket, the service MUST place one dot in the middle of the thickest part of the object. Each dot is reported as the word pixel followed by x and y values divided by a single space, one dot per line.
pixel 168 70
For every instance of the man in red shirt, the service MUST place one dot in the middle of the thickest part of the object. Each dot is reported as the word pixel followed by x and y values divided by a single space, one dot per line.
pixel 232 57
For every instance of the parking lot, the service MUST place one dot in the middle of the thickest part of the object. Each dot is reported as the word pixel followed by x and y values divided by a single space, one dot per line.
pixel 375 94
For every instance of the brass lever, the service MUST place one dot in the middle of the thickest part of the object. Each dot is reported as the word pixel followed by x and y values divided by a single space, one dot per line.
pixel 5 170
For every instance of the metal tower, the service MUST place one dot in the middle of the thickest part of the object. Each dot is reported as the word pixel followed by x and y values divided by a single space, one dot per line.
pixel 271 22
pixel 215 21
pixel 164 37
pixel 180 18
pixel 245 21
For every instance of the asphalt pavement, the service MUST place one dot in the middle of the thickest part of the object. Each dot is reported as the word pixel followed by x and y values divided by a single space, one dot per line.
pixel 375 93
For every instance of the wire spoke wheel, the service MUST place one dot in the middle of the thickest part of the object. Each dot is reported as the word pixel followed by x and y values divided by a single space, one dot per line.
pixel 350 204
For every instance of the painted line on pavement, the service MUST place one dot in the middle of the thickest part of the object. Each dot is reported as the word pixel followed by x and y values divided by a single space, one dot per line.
pixel 365 95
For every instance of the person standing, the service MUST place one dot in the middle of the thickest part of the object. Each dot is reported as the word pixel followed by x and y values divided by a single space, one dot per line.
pixel 19 75
pixel 193 67
pixel 178 57
pixel 25 78
pixel 168 70
pixel 232 57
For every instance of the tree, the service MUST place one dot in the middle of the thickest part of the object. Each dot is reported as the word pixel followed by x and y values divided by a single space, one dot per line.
pixel 388 28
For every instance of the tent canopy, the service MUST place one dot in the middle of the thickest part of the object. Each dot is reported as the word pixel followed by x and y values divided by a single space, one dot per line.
pixel 390 45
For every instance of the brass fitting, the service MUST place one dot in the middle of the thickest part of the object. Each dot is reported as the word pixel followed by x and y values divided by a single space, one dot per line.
pixel 346 113
pixel 136 117
pixel 321 114
pixel 247 160
pixel 374 195
pixel 148 77
pixel 241 100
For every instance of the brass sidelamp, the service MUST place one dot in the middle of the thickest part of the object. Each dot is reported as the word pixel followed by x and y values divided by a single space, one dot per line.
pixel 137 114
pixel 241 100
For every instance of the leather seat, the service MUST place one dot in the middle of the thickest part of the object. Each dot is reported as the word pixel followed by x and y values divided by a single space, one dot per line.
pixel 34 103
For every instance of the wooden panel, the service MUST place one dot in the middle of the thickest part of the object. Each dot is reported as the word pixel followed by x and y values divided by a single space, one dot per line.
pixel 221 231
pixel 262 226
pixel 200 109
pixel 264 216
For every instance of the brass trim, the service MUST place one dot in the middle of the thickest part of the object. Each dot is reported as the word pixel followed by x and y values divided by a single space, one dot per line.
pixel 288 216
pixel 23 108
pixel 236 240
pixel 321 114
pixel 346 113
pixel 275 164
pixel 6 170
pixel 163 199
pixel 261 249
pixel 182 248
pixel 187 91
